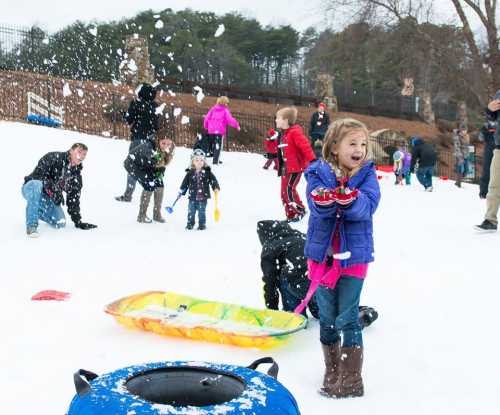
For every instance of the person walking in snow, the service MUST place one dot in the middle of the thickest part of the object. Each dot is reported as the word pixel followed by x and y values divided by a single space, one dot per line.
pixel 490 223
pixel 486 136
pixel 216 122
pixel 342 194
pixel 425 155
pixel 402 164
pixel 56 173
pixel 271 148
pixel 319 124
pixel 144 124
pixel 461 152
pixel 146 163
pixel 198 180
pixel 294 155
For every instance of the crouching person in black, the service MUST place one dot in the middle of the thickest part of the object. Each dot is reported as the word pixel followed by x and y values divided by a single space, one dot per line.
pixel 56 172
pixel 284 266
pixel 146 163
pixel 284 270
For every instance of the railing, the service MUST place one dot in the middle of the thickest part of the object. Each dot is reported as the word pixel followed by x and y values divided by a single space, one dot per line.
pixel 97 109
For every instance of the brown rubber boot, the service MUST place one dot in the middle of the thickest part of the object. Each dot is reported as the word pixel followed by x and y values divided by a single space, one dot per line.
pixel 143 207
pixel 349 383
pixel 158 199
pixel 331 354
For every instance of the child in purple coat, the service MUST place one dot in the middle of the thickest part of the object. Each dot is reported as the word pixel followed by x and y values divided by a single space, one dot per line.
pixel 343 194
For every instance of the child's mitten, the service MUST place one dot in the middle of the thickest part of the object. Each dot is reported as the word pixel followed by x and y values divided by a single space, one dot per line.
pixel 323 197
pixel 345 196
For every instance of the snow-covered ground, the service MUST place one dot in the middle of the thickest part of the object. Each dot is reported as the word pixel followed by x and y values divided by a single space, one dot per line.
pixel 435 284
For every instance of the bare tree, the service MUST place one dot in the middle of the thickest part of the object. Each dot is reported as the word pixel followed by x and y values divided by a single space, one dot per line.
pixel 486 63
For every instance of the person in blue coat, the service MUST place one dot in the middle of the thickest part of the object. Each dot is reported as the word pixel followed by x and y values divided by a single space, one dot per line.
pixel 343 194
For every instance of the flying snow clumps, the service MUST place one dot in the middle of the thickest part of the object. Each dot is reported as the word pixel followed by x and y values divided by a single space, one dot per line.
pixel 219 31
pixel 184 120
pixel 179 67
pixel 66 90
pixel 132 66
pixel 160 108
pixel 80 92
pixel 199 94
pixel 159 24
pixel 93 31
pixel 177 111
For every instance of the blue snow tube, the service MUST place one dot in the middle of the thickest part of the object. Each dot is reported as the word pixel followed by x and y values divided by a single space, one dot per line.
pixel 181 387
pixel 41 120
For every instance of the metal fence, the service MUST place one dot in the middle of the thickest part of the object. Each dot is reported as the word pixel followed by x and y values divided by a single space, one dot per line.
pixel 294 86
pixel 98 109
pixel 12 36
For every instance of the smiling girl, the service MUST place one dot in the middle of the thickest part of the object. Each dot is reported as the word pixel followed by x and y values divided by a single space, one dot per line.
pixel 343 194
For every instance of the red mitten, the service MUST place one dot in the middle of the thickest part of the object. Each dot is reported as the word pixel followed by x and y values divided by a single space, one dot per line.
pixel 323 197
pixel 345 196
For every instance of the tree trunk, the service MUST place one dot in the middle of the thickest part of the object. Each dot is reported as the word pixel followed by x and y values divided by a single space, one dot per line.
pixel 463 118
pixel 426 107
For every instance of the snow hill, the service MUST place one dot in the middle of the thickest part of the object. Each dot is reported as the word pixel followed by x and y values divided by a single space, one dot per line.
pixel 435 284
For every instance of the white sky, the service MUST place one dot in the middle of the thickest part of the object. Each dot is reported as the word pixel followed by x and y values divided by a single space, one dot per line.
pixel 52 15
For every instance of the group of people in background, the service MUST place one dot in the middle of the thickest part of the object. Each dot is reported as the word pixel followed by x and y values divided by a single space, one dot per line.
pixel 150 151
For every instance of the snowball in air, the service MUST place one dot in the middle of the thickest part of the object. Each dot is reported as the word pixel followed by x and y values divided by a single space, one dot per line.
pixel 219 31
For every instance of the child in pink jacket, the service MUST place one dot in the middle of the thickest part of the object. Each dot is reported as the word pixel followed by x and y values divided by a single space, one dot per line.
pixel 215 122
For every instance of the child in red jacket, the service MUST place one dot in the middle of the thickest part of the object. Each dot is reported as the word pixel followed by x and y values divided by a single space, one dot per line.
pixel 294 155
pixel 271 148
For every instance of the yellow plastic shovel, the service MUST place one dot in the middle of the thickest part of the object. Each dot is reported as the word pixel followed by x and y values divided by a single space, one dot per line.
pixel 216 210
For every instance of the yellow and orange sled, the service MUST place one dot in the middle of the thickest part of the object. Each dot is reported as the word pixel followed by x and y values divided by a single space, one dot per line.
pixel 171 314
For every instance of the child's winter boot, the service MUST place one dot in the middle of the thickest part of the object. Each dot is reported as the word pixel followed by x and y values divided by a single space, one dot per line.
pixel 331 354
pixel 143 208
pixel 349 383
pixel 158 199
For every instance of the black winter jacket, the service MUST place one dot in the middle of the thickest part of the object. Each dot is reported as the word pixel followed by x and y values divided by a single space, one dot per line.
pixel 207 179
pixel 424 153
pixel 319 129
pixel 282 258
pixel 493 116
pixel 141 164
pixel 141 114
pixel 58 176
pixel 487 133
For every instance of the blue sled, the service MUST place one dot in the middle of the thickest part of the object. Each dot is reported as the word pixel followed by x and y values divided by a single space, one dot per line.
pixel 41 120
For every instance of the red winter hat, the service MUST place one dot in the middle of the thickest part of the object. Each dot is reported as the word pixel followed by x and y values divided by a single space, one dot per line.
pixel 322 105
pixel 271 132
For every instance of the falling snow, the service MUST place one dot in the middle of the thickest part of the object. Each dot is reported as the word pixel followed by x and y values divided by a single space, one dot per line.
pixel 66 90
pixel 220 30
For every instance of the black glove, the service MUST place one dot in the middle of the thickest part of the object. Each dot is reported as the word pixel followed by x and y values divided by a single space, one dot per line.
pixel 84 226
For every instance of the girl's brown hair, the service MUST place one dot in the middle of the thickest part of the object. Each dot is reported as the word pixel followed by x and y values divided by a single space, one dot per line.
pixel 166 156
pixel 336 132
